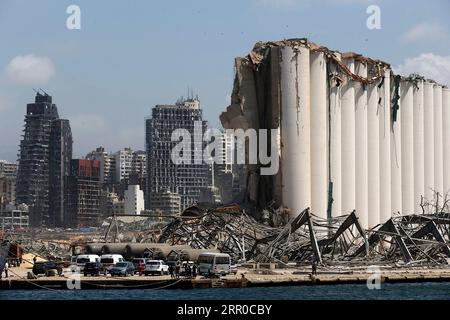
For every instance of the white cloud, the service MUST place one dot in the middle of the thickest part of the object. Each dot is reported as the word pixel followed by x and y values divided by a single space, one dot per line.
pixel 87 124
pixel 30 70
pixel 430 65
pixel 425 31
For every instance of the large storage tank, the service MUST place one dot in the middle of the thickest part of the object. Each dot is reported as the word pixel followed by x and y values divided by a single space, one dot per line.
pixel 354 136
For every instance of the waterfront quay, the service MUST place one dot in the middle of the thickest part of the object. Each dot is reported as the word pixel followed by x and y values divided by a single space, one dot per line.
pixel 251 276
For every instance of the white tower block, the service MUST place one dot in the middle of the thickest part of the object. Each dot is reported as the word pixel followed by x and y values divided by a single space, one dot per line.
pixel 446 137
pixel 419 169
pixel 428 117
pixel 373 155
pixel 319 157
pixel 438 143
pixel 407 147
pixel 385 147
pixel 295 128
pixel 335 146
pixel 396 162
pixel 361 191
pixel 348 142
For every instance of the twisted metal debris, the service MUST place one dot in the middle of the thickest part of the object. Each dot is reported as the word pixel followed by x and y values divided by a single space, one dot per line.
pixel 408 239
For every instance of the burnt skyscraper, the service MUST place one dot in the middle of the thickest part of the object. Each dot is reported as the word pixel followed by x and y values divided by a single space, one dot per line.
pixel 164 177
pixel 45 154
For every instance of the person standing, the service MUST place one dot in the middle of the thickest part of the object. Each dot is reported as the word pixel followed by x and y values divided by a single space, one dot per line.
pixel 140 269
pixel 177 270
pixel 314 267
pixel 194 271
pixel 188 270
pixel 6 269
pixel 171 271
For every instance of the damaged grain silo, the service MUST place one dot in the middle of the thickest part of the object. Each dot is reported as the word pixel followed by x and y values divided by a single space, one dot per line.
pixel 352 135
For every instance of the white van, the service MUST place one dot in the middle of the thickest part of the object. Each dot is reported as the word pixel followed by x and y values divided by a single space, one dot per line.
pixel 82 259
pixel 214 263
pixel 109 260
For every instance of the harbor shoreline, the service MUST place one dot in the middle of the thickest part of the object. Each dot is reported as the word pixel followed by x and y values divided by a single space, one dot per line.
pixel 244 278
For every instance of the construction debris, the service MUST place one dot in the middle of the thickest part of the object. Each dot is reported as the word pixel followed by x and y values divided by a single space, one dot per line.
pixel 305 238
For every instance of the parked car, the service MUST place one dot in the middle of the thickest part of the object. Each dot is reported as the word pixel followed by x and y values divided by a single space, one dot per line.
pixel 124 268
pixel 136 261
pixel 47 268
pixel 82 259
pixel 94 269
pixel 156 267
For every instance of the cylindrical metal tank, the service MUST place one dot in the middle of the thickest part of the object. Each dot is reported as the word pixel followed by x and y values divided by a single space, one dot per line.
pixel 373 155
pixel 385 147
pixel 114 248
pixel 446 137
pixel 396 161
pixel 138 249
pixel 361 174
pixel 419 157
pixel 295 128
pixel 438 142
pixel 319 154
pixel 335 143
pixel 407 146
pixel 428 117
pixel 187 254
pixel 348 141
pixel 94 248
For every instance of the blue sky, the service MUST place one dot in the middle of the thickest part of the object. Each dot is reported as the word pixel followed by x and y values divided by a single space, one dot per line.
pixel 130 55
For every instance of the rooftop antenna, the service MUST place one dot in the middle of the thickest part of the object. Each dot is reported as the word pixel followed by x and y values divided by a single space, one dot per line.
pixel 37 92
pixel 43 91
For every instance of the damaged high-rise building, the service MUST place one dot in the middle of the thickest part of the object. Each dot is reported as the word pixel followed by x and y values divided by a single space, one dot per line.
pixel 352 135
pixel 45 154
pixel 163 175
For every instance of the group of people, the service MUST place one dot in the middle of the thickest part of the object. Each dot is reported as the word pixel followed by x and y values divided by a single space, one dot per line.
pixel 189 271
